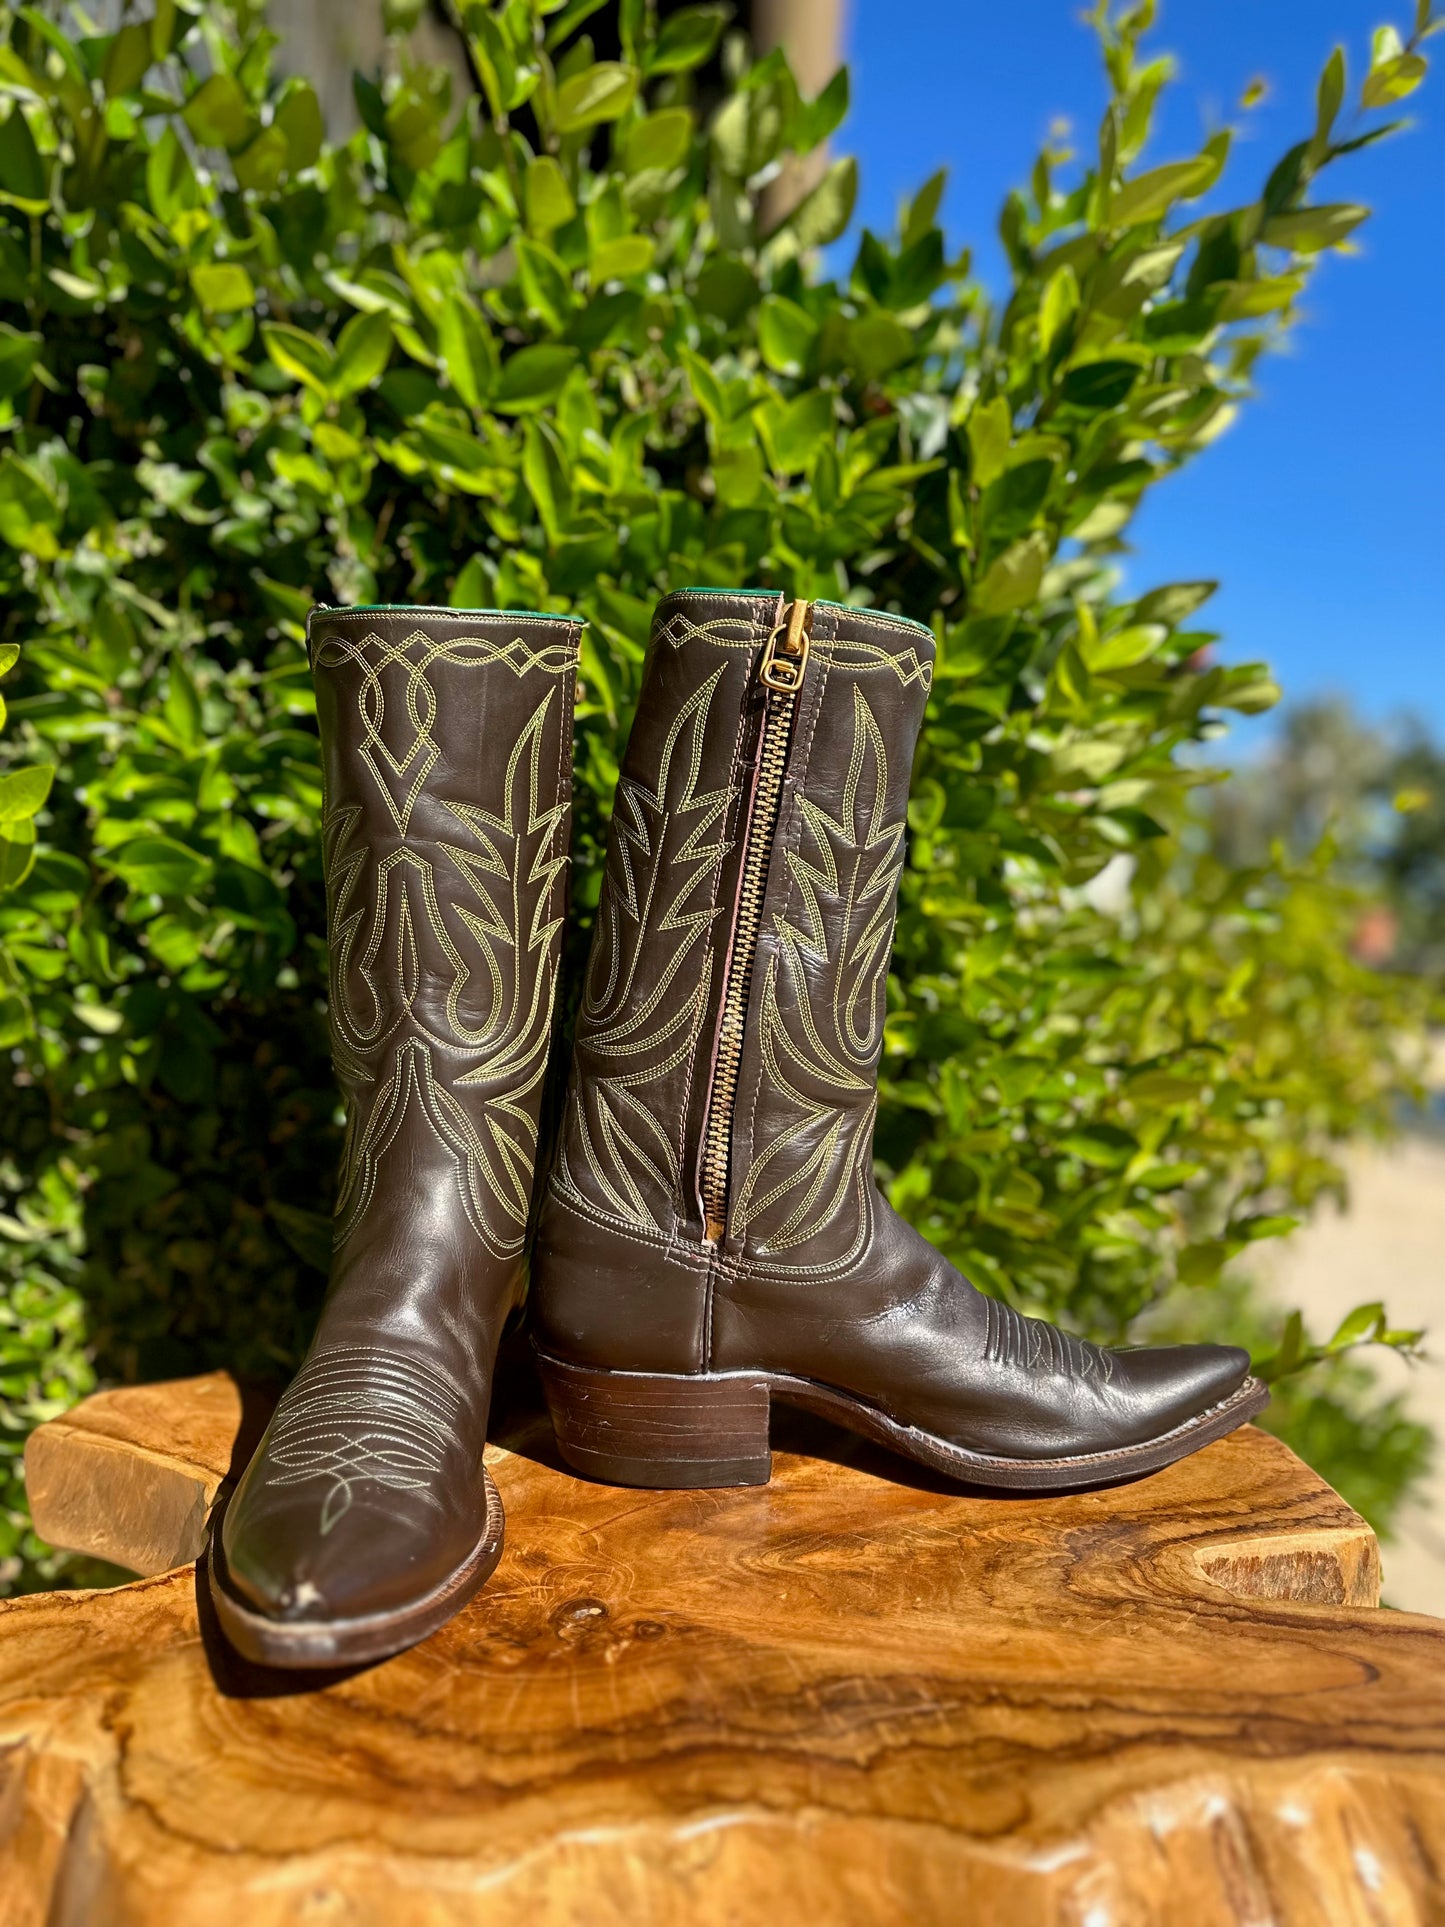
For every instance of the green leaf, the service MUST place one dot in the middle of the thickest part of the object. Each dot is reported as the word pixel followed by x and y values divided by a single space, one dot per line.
pixel 546 284
pixel 659 142
pixel 23 792
pixel 79 287
pixel 223 287
pixel 727 288
pixel 1385 46
pixel 1012 502
pixel 1308 229
pixel 705 387
pixel 814 120
pixel 544 473
pixel 17 859
pixel 496 67
pixel 18 356
pixel 1013 578
pixel 298 117
pixel 600 93
pixel 686 39
pixel 1174 603
pixel 413 124
pixel 1273 1224
pixel 1060 301
pixel 1099 385
pixel 1101 1144
pixel 786 334
pixel 182 708
pixel 126 59
pixel 159 866
pixel 468 351
pixel 800 429
pixel 23 173
pixel 548 198
pixel 533 377
pixel 571 17
pixel 262 164
pixel 163 28
pixel 218 113
pixel 1405 802
pixel 1252 694
pixel 990 430
pixel 363 348
pixel 1394 80
pixel 1291 1349
pixel 1149 195
pixel 1124 648
pixel 29 513
pixel 877 344
pixel 170 179
pixel 738 475
pixel 820 217
pixel 629 254
pixel 747 131
pixel 1330 95
pixel 299 355
pixel 921 214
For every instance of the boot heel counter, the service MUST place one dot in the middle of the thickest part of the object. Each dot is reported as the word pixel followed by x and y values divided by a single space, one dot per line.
pixel 659 1429
pixel 604 1295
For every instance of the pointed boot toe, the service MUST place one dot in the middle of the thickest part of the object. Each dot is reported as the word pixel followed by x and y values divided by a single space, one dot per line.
pixel 366 1518
pixel 381 1577
pixel 711 1237
pixel 1172 1384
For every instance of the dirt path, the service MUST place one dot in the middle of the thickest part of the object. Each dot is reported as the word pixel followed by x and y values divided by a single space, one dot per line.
pixel 1390 1245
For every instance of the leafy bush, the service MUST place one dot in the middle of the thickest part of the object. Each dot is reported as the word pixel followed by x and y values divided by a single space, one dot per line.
pixel 533 349
pixel 1378 794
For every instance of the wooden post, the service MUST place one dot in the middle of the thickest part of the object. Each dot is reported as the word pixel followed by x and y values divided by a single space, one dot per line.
pixel 811 34
pixel 859 1695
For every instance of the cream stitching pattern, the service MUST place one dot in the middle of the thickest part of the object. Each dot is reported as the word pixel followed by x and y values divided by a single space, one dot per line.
pixel 493 1030
pixel 374 653
pixel 352 1415
pixel 854 654
pixel 622 1045
pixel 846 886
pixel 1011 1339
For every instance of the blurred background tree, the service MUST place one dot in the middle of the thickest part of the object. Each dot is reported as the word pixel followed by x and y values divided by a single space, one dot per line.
pixel 1378 795
pixel 551 327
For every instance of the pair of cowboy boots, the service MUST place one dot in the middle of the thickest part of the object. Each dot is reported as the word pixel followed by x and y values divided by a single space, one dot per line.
pixel 710 1235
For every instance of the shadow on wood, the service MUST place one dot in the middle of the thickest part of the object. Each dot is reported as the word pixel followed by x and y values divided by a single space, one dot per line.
pixel 857 1692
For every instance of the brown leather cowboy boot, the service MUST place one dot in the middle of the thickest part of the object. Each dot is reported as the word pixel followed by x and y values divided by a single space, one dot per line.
pixel 712 1236
pixel 366 1517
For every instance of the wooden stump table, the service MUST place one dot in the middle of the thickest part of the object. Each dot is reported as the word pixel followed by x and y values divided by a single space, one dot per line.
pixel 857 1695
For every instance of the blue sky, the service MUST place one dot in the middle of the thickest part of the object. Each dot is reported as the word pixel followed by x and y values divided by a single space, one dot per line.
pixel 1322 511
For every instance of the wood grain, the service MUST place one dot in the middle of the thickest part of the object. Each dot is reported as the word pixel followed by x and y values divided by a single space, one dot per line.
pixel 857 1694
pixel 131 1476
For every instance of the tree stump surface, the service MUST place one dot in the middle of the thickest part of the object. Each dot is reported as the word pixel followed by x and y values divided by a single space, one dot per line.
pixel 857 1695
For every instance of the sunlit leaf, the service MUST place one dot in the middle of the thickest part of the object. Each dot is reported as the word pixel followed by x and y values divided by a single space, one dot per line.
pixel 601 93
pixel 222 287
pixel 218 113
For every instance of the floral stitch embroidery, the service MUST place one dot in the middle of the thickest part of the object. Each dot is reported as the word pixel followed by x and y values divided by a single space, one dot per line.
pixel 822 1006
pixel 666 843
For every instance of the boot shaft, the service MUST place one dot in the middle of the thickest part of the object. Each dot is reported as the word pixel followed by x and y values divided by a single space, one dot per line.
pixel 446 762
pixel 722 1090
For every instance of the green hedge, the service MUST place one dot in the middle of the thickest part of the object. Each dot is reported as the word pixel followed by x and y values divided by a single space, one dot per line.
pixel 532 347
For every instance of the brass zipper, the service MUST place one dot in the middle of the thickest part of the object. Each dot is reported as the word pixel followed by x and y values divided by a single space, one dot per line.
pixel 781 673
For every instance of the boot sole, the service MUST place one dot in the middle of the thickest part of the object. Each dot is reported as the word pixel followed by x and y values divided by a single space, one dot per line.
pixel 711 1429
pixel 304 1643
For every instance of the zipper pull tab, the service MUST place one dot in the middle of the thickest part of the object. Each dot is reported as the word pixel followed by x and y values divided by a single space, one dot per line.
pixel 786 656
